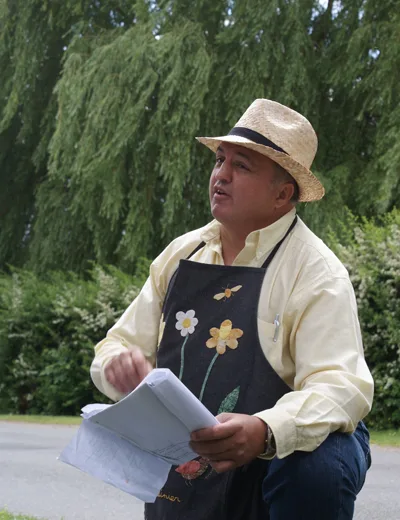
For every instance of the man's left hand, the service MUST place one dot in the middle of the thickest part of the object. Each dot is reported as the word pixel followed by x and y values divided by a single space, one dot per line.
pixel 236 441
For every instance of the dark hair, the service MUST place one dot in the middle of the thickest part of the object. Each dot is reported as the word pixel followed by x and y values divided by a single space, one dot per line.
pixel 283 176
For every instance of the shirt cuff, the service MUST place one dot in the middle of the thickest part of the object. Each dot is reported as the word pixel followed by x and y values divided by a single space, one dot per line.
pixel 284 429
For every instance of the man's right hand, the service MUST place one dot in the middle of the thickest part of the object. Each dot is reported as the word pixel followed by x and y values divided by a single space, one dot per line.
pixel 127 370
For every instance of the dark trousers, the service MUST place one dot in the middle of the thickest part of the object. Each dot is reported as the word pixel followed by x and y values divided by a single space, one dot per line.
pixel 321 485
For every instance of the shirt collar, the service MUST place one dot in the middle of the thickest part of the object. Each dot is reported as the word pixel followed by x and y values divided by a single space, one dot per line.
pixel 258 243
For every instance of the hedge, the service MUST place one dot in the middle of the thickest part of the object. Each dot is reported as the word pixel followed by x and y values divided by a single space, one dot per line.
pixel 48 326
pixel 372 257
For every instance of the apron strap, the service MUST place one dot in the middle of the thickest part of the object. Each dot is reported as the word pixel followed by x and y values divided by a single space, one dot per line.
pixel 278 245
pixel 172 279
pixel 202 244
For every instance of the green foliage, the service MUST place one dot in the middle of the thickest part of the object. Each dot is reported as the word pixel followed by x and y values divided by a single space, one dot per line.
pixel 5 515
pixel 114 165
pixel 373 261
pixel 47 332
pixel 100 103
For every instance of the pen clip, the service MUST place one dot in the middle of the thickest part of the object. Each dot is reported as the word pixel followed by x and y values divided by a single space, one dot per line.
pixel 277 324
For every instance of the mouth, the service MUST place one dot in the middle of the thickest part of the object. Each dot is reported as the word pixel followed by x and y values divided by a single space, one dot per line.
pixel 219 192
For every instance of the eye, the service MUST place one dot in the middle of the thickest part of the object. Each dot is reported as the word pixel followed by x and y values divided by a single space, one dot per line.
pixel 219 161
pixel 242 166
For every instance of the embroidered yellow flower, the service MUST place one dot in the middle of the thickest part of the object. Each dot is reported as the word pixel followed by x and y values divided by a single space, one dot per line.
pixel 224 337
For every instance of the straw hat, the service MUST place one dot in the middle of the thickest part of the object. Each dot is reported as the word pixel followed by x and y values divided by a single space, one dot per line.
pixel 283 135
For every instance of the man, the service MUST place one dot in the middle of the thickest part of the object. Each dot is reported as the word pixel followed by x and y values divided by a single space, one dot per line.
pixel 258 318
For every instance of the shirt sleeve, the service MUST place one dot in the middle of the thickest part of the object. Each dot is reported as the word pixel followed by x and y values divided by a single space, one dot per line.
pixel 333 387
pixel 137 328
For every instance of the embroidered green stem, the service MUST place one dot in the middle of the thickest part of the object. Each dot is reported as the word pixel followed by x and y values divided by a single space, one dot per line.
pixel 214 359
pixel 183 356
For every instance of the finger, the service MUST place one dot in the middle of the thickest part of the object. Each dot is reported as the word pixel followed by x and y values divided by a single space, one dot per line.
pixel 123 373
pixel 216 457
pixel 217 432
pixel 135 368
pixel 236 454
pixel 135 371
pixel 210 448
pixel 121 381
pixel 140 363
pixel 129 373
pixel 112 377
pixel 225 417
pixel 224 465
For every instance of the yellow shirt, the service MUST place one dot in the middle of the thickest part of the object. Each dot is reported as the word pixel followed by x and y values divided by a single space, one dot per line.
pixel 318 351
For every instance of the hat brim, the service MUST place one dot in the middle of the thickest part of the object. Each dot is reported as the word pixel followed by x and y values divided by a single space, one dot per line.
pixel 310 187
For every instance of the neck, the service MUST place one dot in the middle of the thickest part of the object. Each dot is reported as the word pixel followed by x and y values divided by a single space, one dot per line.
pixel 233 237
pixel 232 243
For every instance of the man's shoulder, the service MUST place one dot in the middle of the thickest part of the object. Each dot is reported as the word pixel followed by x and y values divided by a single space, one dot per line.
pixel 188 241
pixel 183 245
pixel 315 255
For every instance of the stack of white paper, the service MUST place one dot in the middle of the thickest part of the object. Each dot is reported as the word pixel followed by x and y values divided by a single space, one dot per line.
pixel 133 443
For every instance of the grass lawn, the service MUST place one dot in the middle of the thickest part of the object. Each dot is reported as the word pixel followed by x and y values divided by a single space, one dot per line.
pixel 5 515
pixel 382 438
pixel 386 437
pixel 41 419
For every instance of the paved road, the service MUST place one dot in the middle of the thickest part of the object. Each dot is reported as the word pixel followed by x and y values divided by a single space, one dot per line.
pixel 33 482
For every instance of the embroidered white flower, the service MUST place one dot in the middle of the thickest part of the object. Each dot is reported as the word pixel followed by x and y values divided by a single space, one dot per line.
pixel 186 322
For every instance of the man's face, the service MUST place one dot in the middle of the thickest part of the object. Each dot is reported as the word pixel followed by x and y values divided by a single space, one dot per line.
pixel 243 191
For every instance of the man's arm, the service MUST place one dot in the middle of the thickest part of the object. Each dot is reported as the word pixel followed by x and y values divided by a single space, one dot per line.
pixel 128 352
pixel 333 387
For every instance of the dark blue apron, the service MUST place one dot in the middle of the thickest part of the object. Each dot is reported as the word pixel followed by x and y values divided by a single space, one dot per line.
pixel 211 342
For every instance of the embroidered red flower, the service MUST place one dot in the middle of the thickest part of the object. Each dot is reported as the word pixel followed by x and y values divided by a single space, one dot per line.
pixel 192 469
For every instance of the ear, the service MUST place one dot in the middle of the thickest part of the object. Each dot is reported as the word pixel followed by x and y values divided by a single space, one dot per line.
pixel 285 193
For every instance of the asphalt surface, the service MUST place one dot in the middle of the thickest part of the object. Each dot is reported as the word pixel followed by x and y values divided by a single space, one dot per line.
pixel 33 482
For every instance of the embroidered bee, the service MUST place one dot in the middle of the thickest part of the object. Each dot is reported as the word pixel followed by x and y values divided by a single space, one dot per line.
pixel 227 293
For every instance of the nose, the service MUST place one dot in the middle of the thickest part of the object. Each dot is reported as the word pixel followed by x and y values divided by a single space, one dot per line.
pixel 224 172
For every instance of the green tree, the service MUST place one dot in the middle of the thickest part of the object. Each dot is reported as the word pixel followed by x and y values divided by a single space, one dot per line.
pixel 102 100
pixel 33 39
